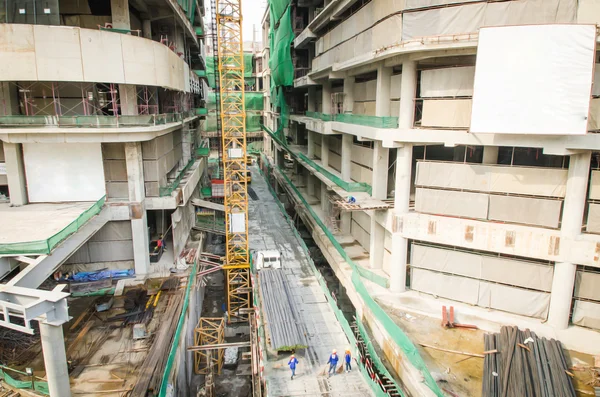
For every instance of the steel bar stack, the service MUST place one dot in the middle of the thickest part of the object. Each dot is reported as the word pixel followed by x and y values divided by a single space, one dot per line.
pixel 280 313
pixel 518 363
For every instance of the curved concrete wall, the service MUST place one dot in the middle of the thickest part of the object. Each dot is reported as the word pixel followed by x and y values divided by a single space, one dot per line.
pixel 63 53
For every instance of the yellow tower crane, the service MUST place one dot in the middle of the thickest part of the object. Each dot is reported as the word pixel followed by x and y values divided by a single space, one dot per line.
pixel 230 53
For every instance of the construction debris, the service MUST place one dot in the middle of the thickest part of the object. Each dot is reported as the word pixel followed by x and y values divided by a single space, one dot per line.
pixel 448 320
pixel 281 317
pixel 525 365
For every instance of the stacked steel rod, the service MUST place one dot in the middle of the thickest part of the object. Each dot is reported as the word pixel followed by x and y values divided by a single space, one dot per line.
pixel 280 313
pixel 518 363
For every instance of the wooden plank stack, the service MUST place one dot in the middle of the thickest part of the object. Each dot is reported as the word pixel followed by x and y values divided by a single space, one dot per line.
pixel 518 363
pixel 280 313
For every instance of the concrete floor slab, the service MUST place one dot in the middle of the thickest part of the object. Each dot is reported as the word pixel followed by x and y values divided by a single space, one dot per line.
pixel 316 319
pixel 35 222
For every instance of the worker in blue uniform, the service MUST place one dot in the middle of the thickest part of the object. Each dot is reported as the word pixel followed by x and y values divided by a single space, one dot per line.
pixel 292 363
pixel 333 360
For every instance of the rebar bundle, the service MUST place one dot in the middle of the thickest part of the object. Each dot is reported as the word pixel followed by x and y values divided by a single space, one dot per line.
pixel 518 363
pixel 280 312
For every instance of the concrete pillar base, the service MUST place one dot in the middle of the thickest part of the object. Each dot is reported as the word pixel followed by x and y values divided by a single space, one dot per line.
pixel 55 359
pixel 398 263
pixel 561 296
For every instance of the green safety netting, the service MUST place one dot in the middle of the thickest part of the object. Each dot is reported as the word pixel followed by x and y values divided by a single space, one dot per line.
pixel 253 122
pixel 280 60
pixel 395 332
pixel 252 100
pixel 338 313
pixel 359 119
pixel 248 70
pixel 38 386
pixel 46 246
pixel 347 186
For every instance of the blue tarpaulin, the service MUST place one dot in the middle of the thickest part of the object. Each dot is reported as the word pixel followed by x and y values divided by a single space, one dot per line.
pixel 102 274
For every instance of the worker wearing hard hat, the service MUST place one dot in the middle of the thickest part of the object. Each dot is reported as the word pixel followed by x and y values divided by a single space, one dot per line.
pixel 348 359
pixel 292 363
pixel 333 360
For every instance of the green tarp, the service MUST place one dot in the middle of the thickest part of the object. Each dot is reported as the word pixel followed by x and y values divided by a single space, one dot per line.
pixel 280 61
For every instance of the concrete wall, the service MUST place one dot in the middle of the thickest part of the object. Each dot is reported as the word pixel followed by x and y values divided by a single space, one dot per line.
pixel 115 170
pixel 161 156
pixel 112 243
pixel 59 172
pixel 3 177
pixel 60 53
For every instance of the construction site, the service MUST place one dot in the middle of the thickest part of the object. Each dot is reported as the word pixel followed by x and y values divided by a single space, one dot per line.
pixel 363 198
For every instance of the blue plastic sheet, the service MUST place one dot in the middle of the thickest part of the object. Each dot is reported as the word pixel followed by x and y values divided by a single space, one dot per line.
pixel 102 274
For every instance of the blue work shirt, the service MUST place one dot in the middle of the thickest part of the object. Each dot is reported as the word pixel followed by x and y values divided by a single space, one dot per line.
pixel 348 357
pixel 293 362
pixel 333 359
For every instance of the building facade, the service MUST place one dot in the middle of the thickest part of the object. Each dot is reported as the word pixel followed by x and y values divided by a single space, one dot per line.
pixel 404 148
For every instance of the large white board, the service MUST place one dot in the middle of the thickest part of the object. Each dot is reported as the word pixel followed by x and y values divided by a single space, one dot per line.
pixel 58 172
pixel 533 79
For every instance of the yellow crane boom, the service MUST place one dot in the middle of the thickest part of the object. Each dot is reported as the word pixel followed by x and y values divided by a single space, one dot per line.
pixel 230 53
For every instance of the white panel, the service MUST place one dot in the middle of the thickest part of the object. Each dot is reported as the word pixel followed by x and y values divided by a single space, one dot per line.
pixel 138 60
pixel 586 314
pixel 524 274
pixel 595 185
pixel 237 223
pixel 543 91
pixel 594 122
pixel 102 56
pixel 514 300
pixel 58 172
pixel 18 48
pixel 587 285
pixel 530 12
pixel 413 4
pixel 114 231
pixel 396 86
pixel 443 21
pixel 109 251
pixel 447 82
pixel 588 11
pixel 525 210
pixel 446 113
pixel 452 203
pixel 593 219
pixel 446 260
pixel 549 182
pixel 596 86
pixel 58 53
pixel 457 288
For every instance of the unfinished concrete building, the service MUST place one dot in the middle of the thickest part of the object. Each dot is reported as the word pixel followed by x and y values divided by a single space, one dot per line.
pixel 437 161
pixel 99 113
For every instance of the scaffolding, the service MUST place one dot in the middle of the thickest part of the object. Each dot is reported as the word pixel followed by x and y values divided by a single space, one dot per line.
pixel 233 121
pixel 209 331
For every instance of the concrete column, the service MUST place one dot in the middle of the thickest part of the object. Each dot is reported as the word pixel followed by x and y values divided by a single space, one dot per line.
pixel 15 173
pixel 572 219
pixel 120 14
pixel 380 171
pixel 147 28
pixel 326 97
pixel 490 155
pixel 324 199
pixel 128 99
pixel 280 159
pixel 187 143
pixel 9 99
pixel 55 359
pixel 345 222
pixel 408 91
pixel 399 260
pixel 376 244
pixel 349 94
pixel 346 157
pixel 310 184
pixel 382 98
pixel 312 99
pixel 137 208
pixel 324 150
pixel 311 145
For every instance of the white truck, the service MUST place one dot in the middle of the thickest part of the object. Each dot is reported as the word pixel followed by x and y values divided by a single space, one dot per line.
pixel 268 259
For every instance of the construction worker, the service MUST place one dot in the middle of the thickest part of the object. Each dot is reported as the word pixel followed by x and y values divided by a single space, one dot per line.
pixel 333 360
pixel 348 359
pixel 292 363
